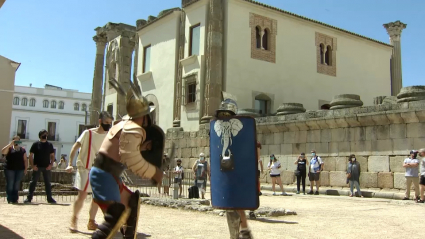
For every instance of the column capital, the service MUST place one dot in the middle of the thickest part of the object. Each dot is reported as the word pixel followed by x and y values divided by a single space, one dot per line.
pixel 394 30
pixel 100 39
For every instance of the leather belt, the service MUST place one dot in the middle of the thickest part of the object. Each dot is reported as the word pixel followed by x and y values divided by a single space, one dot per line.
pixel 108 165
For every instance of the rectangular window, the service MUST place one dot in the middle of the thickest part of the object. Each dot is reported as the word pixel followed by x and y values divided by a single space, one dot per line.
pixel 81 128
pixel 22 129
pixel 195 39
pixel 110 109
pixel 261 107
pixel 51 128
pixel 191 93
pixel 146 58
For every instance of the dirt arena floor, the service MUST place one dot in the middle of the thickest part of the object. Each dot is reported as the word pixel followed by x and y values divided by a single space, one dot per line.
pixel 318 217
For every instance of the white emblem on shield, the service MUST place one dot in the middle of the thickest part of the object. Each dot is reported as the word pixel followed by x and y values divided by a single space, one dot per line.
pixel 225 130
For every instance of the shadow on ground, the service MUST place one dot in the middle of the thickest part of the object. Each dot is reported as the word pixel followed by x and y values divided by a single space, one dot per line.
pixel 117 235
pixel 7 233
pixel 266 220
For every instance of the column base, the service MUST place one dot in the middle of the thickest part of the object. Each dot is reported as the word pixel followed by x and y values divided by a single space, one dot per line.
pixel 206 119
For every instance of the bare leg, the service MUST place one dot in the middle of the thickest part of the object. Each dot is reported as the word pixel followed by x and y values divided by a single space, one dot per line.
pixel 233 221
pixel 125 197
pixel 311 185
pixel 273 184
pixel 279 181
pixel 317 185
pixel 244 222
pixel 181 189
pixel 78 204
pixel 93 210
pixel 422 192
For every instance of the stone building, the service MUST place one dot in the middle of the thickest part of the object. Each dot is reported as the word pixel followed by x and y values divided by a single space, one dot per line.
pixel 184 59
pixel 60 111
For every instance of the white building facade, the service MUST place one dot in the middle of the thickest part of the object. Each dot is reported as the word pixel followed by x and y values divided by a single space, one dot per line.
pixel 185 58
pixel 61 112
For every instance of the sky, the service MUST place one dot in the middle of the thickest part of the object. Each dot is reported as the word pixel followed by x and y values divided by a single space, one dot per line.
pixel 53 38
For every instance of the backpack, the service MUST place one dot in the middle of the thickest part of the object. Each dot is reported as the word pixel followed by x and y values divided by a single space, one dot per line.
pixel 320 165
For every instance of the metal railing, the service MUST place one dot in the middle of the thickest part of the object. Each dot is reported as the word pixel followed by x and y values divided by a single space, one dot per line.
pixel 63 189
pixel 21 135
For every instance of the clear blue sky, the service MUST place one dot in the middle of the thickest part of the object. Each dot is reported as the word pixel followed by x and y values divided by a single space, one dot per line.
pixel 53 38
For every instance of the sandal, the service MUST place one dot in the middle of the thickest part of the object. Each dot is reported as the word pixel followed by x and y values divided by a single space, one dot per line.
pixel 73 227
pixel 92 225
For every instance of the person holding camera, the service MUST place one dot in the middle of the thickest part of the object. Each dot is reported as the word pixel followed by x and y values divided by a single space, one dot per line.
pixel 301 171
pixel 15 168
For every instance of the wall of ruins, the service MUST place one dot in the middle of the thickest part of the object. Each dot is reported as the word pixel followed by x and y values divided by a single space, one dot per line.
pixel 381 137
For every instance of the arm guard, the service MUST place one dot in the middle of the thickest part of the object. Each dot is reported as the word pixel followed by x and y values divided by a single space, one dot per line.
pixel 132 136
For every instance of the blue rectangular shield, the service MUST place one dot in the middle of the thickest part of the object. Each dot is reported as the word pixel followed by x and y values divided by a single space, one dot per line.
pixel 233 155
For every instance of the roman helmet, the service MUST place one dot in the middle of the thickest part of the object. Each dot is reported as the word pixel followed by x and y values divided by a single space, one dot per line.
pixel 227 108
pixel 136 104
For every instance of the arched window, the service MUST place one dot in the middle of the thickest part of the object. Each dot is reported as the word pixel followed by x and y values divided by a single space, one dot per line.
pixel 61 105
pixel 153 113
pixel 16 101
pixel 328 56
pixel 83 107
pixel 76 106
pixel 266 39
pixel 24 102
pixel 45 104
pixel 32 102
pixel 53 104
pixel 322 54
pixel 258 36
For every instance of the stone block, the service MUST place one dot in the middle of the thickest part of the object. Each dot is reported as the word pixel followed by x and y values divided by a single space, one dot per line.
pixel 409 117
pixel 379 164
pixel 382 132
pixel 337 179
pixel 382 147
pixel 288 177
pixel 333 149
pixel 324 178
pixel 361 147
pixel 286 149
pixel 300 136
pixel 260 138
pixel 338 135
pixel 416 130
pixel 396 164
pixel 341 164
pixel 191 163
pixel 274 149
pixel 288 162
pixel 402 146
pixel 398 131
pixel 363 163
pixel 182 143
pixel 344 149
pixel 368 180
pixel 399 181
pixel 325 136
pixel 207 151
pixel 330 163
pixel 359 133
pixel 321 148
pixel 192 142
pixel 278 138
pixel 371 133
pixel 313 136
pixel 419 143
pixel 269 138
pixel 195 152
pixel 297 149
pixel 289 137
pixel 385 180
pixel 186 152
pixel 264 150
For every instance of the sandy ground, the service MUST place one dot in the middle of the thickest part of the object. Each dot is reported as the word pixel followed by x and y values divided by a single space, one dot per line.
pixel 318 217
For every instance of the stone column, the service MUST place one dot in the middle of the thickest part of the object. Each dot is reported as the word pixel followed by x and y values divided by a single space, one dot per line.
pixel 179 74
pixel 126 47
pixel 214 60
pixel 96 98
pixel 394 31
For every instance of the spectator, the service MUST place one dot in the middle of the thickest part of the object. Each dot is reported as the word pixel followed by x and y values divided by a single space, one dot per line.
pixel 62 163
pixel 301 163
pixel 42 157
pixel 274 167
pixel 166 180
pixel 201 170
pixel 179 175
pixel 353 175
pixel 412 174
pixel 15 167
pixel 55 165
pixel 422 179
pixel 260 164
pixel 316 166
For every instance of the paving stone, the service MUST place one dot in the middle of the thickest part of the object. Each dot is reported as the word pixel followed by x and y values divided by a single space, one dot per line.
pixel 385 180
pixel 378 164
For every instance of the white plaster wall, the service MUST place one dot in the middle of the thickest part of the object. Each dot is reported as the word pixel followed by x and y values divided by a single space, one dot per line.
pixel 195 14
pixel 363 67
pixel 162 36
pixel 111 99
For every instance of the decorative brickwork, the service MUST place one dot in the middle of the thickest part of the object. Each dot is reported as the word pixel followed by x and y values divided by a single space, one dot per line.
pixel 266 51
pixel 326 54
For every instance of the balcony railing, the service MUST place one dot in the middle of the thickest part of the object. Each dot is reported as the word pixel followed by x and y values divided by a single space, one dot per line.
pixel 53 137
pixel 21 135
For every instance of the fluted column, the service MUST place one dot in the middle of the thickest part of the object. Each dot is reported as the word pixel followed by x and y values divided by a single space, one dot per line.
pixel 96 98
pixel 214 60
pixel 394 30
